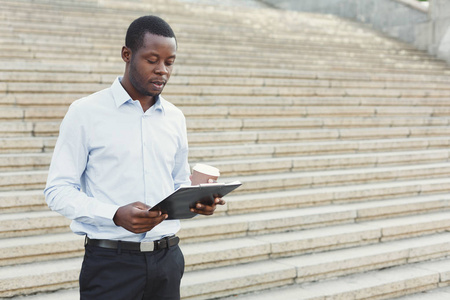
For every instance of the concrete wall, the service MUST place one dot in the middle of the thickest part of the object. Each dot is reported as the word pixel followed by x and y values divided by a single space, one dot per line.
pixel 408 20
pixel 439 28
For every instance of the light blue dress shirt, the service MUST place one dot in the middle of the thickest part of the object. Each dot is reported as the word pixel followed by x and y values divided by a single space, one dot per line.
pixel 110 153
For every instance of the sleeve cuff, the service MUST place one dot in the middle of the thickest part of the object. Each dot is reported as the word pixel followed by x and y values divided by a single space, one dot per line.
pixel 105 214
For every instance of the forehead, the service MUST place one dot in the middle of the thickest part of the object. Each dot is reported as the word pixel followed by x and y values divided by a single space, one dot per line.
pixel 159 44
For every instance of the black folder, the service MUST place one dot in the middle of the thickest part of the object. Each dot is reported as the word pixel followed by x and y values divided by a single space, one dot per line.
pixel 178 204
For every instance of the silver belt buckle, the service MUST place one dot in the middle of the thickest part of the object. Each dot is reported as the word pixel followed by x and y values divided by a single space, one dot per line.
pixel 147 246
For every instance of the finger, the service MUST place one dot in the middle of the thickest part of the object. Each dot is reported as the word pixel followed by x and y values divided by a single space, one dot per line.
pixel 204 209
pixel 146 224
pixel 145 214
pixel 141 206
pixel 219 201
pixel 154 214
pixel 202 212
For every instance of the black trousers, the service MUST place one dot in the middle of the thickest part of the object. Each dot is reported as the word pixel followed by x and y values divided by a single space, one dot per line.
pixel 108 274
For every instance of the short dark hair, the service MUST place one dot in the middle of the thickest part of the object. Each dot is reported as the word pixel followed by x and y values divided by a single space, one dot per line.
pixel 139 27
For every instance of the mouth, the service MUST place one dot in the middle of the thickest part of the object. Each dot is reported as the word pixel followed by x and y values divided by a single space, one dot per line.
pixel 158 84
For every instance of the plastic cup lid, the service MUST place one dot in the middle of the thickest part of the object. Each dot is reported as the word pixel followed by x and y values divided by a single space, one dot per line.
pixel 207 169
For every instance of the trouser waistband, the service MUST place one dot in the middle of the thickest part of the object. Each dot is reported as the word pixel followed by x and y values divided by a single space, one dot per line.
pixel 163 243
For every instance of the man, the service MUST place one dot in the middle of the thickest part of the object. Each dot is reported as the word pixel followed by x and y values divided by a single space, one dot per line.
pixel 120 151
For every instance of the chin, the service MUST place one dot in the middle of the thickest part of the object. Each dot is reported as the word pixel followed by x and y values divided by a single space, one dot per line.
pixel 152 94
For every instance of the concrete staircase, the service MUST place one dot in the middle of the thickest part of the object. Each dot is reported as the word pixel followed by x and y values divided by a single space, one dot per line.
pixel 339 134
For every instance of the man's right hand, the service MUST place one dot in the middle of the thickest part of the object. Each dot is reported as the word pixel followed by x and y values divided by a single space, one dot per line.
pixel 137 218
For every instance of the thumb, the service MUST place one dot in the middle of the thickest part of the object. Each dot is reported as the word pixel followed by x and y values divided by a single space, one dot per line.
pixel 141 206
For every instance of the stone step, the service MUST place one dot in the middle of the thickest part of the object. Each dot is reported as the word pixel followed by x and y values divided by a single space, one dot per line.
pixel 200 28
pixel 308 23
pixel 196 28
pixel 14 145
pixel 111 70
pixel 350 237
pixel 366 285
pixel 24 161
pixel 66 294
pixel 307 42
pixel 172 89
pixel 29 144
pixel 319 266
pixel 285 219
pixel 227 63
pixel 266 150
pixel 23 180
pixel 322 62
pixel 181 79
pixel 35 179
pixel 310 51
pixel 194 53
pixel 315 179
pixel 32 223
pixel 40 113
pixel 344 261
pixel 388 283
pixel 44 247
pixel 316 58
pixel 357 95
pixel 39 277
pixel 22 201
pixel 254 166
pixel 346 127
pixel 39 222
pixel 274 273
pixel 16 201
pixel 242 204
pixel 51 128
pixel 278 123
pixel 54 100
pixel 227 152
pixel 297 91
pixel 16 129
pixel 326 162
pixel 440 293
pixel 199 33
pixel 324 232
pixel 219 112
pixel 220 80
pixel 311 135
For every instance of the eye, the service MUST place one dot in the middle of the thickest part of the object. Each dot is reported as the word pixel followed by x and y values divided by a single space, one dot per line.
pixel 151 61
pixel 170 62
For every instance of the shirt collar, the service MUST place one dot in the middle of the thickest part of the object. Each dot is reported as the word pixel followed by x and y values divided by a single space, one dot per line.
pixel 121 96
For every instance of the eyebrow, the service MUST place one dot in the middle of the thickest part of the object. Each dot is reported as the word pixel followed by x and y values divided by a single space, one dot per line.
pixel 157 55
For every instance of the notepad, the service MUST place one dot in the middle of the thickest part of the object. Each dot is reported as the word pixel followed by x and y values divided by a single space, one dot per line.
pixel 178 204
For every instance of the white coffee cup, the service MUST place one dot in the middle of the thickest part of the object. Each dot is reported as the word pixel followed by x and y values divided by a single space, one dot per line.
pixel 201 173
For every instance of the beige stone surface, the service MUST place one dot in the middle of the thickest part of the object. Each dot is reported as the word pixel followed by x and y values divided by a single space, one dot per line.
pixel 339 135
pixel 226 281
pixel 385 284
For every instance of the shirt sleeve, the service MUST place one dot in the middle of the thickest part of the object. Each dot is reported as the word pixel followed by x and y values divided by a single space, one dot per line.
pixel 63 192
pixel 181 170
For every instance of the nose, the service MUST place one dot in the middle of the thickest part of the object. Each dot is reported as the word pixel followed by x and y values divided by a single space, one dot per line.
pixel 161 68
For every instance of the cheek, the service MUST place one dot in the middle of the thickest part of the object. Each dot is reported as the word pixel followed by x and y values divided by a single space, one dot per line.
pixel 139 69
pixel 137 76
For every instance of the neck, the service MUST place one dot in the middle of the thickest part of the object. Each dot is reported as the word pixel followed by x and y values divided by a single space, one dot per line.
pixel 145 100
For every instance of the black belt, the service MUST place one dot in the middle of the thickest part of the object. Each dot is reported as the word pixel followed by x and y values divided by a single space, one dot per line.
pixel 163 243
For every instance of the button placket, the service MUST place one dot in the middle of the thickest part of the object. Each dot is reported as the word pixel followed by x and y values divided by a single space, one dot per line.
pixel 146 154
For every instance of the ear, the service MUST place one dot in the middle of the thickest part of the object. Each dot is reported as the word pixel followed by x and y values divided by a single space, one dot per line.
pixel 126 54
